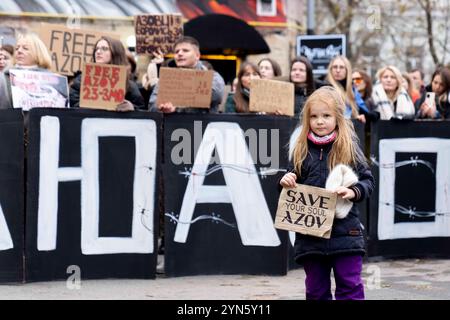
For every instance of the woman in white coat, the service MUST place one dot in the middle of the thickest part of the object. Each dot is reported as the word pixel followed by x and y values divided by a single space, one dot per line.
pixel 390 97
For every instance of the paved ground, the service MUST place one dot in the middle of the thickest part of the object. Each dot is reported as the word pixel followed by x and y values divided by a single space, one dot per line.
pixel 387 280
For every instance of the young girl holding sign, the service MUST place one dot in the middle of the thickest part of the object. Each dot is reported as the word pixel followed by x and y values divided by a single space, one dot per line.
pixel 328 139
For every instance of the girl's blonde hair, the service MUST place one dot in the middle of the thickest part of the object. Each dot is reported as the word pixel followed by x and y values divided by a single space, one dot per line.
pixel 345 148
pixel 38 50
pixel 347 92
pixel 398 76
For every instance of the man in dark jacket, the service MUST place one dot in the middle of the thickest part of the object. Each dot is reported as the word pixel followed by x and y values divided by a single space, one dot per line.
pixel 187 55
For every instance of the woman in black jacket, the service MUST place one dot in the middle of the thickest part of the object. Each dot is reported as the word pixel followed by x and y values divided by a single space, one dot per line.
pixel 301 75
pixel 110 51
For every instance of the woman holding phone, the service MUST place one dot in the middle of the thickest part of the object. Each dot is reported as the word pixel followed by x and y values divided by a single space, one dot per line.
pixel 434 103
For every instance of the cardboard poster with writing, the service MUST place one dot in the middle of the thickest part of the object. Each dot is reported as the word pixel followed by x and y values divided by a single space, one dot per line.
pixel 103 86
pixel 70 48
pixel 306 210
pixel 271 95
pixel 38 89
pixel 185 88
pixel 158 31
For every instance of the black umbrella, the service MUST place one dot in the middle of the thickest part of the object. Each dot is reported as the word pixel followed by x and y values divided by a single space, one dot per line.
pixel 223 34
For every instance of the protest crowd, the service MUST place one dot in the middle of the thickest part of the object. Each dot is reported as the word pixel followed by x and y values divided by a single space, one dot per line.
pixel 389 94
pixel 178 81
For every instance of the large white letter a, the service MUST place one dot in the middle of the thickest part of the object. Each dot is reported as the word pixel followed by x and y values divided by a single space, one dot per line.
pixel 243 189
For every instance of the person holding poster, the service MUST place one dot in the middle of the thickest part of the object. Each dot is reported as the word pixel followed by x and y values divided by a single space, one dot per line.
pixel 110 51
pixel 325 153
pixel 239 101
pixel 187 55
pixel 30 54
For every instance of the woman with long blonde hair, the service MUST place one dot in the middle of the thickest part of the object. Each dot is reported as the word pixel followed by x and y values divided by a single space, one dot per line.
pixel 325 155
pixel 339 75
pixel 30 53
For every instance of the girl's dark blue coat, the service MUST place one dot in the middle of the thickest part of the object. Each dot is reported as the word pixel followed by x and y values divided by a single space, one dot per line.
pixel 347 234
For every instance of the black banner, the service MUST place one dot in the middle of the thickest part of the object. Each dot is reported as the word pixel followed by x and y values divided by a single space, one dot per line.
pixel 11 196
pixel 410 207
pixel 221 174
pixel 92 194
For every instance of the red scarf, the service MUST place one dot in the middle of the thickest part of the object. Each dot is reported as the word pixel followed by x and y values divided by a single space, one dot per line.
pixel 322 140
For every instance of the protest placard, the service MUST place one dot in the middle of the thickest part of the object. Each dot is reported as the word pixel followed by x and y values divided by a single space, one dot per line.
pixel 70 48
pixel 103 86
pixel 38 89
pixel 158 31
pixel 185 87
pixel 306 210
pixel 271 95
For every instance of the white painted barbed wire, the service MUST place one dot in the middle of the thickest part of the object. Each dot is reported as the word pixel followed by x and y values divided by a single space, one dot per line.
pixel 263 172
pixel 414 162
pixel 411 211
pixel 213 217
pixel 143 216
pixel 145 212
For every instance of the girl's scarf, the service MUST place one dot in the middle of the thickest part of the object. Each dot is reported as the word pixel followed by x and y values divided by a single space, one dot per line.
pixel 322 140
pixel 382 104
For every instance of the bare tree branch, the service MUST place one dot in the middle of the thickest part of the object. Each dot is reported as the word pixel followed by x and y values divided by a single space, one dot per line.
pixel 444 45
pixel 359 48
pixel 333 8
pixel 430 30
pixel 422 4
pixel 342 22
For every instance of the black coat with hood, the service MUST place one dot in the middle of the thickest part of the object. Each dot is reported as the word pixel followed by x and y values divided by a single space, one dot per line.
pixel 347 233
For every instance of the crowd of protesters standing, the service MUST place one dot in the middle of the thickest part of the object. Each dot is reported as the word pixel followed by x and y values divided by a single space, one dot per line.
pixel 390 94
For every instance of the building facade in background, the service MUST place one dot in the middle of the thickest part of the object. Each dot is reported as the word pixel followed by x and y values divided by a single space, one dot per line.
pixel 408 34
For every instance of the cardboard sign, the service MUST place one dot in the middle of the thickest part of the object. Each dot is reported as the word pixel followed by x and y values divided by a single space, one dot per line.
pixel 185 88
pixel 103 86
pixel 155 32
pixel 306 210
pixel 38 89
pixel 69 48
pixel 271 95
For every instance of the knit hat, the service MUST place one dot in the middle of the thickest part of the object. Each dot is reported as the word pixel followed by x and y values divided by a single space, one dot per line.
pixel 341 176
